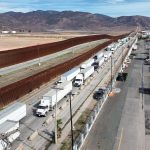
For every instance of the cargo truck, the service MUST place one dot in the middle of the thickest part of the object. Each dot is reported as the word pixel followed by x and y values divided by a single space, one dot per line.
pixel 48 101
pixel 43 107
pixel 14 112
pixel 83 75
pixel 107 55
pixel 98 63
pixel 87 63
pixel 134 47
pixel 113 47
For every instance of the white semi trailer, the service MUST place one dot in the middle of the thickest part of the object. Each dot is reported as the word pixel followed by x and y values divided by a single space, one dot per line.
pixel 98 55
pixel 87 63
pixel 83 75
pixel 100 61
pixel 48 100
pixel 70 75
pixel 14 112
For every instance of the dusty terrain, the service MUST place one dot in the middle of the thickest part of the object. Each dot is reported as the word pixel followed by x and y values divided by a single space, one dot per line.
pixel 12 42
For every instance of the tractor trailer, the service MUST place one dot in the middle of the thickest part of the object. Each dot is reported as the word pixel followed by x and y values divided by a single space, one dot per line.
pixel 48 100
pixel 83 75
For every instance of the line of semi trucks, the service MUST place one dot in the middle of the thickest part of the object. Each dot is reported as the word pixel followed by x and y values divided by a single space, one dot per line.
pixel 10 116
pixel 75 77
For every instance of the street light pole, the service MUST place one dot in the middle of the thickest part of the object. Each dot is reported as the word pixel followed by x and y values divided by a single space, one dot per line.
pixel 142 87
pixel 122 58
pixel 111 74
pixel 56 118
pixel 71 120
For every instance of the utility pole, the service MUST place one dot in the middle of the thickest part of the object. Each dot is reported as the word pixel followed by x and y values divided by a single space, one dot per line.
pixel 142 86
pixel 71 120
pixel 56 88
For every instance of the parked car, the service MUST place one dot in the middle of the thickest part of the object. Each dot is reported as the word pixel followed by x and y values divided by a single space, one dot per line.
pixel 99 94
pixel 147 62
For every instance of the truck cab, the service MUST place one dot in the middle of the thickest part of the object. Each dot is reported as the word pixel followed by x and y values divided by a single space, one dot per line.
pixel 78 80
pixel 96 65
pixel 43 108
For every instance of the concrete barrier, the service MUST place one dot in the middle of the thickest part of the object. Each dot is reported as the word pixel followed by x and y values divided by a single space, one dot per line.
pixel 33 136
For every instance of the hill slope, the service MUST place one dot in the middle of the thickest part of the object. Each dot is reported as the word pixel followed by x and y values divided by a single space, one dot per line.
pixel 68 20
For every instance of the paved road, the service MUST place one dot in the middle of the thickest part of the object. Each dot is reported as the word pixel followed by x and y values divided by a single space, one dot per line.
pixel 104 131
pixel 120 126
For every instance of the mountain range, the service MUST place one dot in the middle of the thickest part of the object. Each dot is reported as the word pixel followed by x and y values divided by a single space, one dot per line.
pixel 43 21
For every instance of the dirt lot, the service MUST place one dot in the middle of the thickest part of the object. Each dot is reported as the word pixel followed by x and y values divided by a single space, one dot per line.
pixel 12 42
pixel 8 42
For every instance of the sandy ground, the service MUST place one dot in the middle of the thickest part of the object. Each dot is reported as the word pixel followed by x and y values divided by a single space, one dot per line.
pixel 12 42
pixel 8 42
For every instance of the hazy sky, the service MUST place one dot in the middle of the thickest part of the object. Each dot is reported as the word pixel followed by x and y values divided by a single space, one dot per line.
pixel 107 7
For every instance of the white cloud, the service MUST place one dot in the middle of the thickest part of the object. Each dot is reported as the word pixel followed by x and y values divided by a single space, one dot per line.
pixel 115 1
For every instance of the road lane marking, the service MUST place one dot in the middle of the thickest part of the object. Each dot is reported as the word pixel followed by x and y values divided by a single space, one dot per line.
pixel 120 139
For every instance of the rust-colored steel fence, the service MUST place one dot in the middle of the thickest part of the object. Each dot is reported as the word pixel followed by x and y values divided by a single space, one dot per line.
pixel 14 91
pixel 15 56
